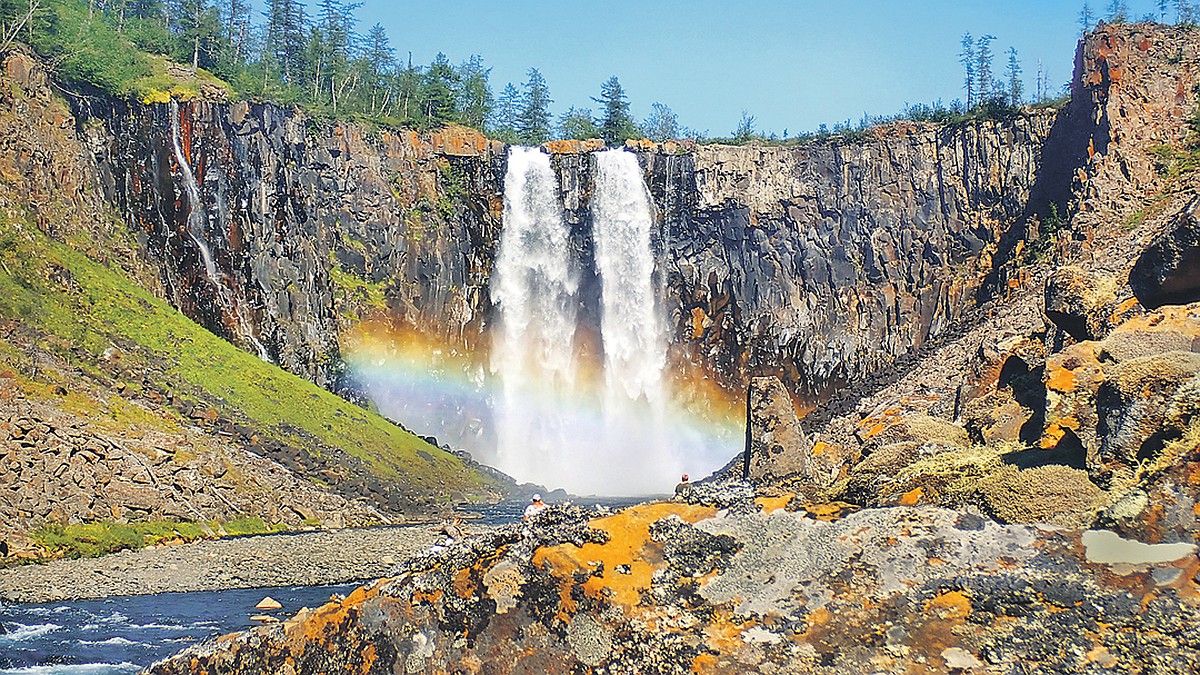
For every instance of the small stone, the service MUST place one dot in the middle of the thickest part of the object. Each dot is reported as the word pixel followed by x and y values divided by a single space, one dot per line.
pixel 957 658
pixel 263 618
pixel 269 604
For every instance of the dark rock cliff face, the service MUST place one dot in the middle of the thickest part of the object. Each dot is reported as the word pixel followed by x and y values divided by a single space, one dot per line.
pixel 765 251
pixel 825 262
pixel 305 222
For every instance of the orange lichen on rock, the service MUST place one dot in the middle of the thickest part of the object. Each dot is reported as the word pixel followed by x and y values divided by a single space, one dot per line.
pixel 698 318
pixel 912 497
pixel 951 605
pixel 321 622
pixel 465 585
pixel 629 544
pixel 770 504
pixel 1061 379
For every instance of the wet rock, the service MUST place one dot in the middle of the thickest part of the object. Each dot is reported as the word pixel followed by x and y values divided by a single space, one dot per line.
pixel 1168 271
pixel 268 603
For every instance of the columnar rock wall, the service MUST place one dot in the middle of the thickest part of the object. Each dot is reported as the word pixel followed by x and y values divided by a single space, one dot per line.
pixel 821 262
pixel 311 225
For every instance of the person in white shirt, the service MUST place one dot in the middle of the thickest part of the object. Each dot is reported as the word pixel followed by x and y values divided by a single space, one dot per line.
pixel 535 507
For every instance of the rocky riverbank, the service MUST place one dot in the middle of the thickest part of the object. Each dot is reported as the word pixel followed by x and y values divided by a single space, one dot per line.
pixel 304 558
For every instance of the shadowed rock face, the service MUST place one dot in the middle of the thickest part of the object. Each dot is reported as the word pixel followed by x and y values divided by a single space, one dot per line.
pixel 1168 271
pixel 675 587
pixel 311 226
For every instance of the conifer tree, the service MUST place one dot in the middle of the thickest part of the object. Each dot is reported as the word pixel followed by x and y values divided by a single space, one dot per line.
pixel 1118 11
pixel 983 70
pixel 533 122
pixel 1086 18
pixel 437 91
pixel 1016 91
pixel 286 37
pixel 380 62
pixel 662 124
pixel 474 96
pixel 967 58
pixel 617 124
pixel 506 113
pixel 577 124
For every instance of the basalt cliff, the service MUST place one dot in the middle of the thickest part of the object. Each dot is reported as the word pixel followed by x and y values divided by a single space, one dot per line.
pixel 1003 470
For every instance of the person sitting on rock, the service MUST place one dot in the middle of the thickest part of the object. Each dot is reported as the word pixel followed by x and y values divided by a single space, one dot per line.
pixel 536 506
pixel 684 489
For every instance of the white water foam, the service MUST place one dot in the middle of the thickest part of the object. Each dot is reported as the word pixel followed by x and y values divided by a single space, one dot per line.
pixel 534 288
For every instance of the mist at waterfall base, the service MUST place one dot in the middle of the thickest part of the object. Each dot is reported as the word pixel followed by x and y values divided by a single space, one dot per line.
pixel 557 400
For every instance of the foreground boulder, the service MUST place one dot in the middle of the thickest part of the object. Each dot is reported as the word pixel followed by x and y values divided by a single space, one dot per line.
pixel 1168 271
pixel 734 584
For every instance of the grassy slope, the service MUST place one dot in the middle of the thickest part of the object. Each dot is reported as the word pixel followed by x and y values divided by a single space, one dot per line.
pixel 89 307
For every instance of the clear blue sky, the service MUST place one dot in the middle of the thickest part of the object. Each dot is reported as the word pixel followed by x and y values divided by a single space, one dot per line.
pixel 793 65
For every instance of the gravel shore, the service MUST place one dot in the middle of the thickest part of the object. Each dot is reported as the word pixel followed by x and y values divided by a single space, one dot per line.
pixel 303 558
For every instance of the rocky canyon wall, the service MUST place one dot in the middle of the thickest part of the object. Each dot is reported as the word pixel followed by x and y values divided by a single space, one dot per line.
pixel 822 262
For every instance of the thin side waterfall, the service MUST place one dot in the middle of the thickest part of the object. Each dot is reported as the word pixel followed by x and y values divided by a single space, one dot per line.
pixel 634 338
pixel 195 217
pixel 535 289
pixel 195 229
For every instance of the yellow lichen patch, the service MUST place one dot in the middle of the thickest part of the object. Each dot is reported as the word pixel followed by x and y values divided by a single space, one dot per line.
pixel 875 430
pixel 769 504
pixel 830 511
pixel 704 663
pixel 912 497
pixel 698 317
pixel 1061 379
pixel 951 605
pixel 629 544
pixel 464 583
pixel 723 634
pixel 1101 657
pixel 819 448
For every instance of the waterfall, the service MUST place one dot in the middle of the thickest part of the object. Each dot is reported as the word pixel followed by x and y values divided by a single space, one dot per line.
pixel 195 230
pixel 634 337
pixel 555 425
pixel 195 217
pixel 534 288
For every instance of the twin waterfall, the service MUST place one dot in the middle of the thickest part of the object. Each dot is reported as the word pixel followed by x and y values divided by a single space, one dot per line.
pixel 557 424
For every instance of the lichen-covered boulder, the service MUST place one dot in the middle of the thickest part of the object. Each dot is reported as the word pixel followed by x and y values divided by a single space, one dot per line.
pixel 1079 303
pixel 763 588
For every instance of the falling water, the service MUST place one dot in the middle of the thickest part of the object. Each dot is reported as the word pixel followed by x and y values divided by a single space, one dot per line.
pixel 635 344
pixel 195 217
pixel 555 427
pixel 535 288
pixel 195 229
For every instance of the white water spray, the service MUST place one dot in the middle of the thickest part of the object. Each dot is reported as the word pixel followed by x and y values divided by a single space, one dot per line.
pixel 551 428
pixel 195 229
pixel 635 344
pixel 534 287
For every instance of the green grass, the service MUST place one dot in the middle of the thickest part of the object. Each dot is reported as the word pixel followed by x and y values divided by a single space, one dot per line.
pixel 88 307
pixel 89 540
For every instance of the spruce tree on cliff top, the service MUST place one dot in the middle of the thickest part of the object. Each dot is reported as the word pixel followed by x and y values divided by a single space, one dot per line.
pixel 533 122
pixel 617 124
